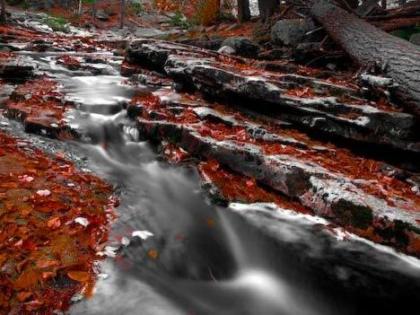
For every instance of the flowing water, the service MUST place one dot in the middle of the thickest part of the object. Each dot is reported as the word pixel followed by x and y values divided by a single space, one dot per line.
pixel 244 259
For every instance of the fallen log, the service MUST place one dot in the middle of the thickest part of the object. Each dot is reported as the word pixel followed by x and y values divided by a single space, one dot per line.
pixel 390 25
pixel 368 45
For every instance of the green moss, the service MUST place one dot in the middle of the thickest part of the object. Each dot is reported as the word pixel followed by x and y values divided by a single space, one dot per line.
pixel 57 24
pixel 179 20
pixel 406 32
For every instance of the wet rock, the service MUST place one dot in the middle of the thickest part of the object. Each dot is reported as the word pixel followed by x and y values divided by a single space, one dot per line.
pixel 324 108
pixel 242 46
pixel 102 15
pixel 227 50
pixel 290 32
pixel 415 39
pixel 329 194
pixel 17 69
pixel 149 32
pixel 206 43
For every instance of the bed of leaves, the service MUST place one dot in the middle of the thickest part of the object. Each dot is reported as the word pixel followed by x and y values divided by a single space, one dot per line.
pixel 37 104
pixel 46 256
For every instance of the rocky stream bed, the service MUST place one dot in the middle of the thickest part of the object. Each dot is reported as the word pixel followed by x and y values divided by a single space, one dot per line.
pixel 243 186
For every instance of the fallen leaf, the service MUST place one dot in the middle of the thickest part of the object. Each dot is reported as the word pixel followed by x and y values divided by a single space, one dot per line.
pixel 54 223
pixel 43 193
pixel 23 296
pixel 26 179
pixel 42 264
pixel 144 235
pixel 27 279
pixel 153 254
pixel 82 221
pixel 80 276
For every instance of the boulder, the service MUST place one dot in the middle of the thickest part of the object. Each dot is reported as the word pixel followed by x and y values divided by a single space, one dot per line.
pixel 102 15
pixel 290 32
pixel 227 50
pixel 243 46
pixel 415 39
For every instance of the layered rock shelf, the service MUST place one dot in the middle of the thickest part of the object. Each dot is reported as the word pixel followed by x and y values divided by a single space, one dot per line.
pixel 367 196
pixel 320 105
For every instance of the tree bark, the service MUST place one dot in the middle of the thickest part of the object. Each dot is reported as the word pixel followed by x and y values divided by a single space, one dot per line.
pixel 122 13
pixel 397 23
pixel 80 8
pixel 244 12
pixel 3 17
pixel 368 45
pixel 268 8
pixel 94 10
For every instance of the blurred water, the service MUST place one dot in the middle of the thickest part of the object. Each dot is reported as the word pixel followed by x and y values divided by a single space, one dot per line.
pixel 244 259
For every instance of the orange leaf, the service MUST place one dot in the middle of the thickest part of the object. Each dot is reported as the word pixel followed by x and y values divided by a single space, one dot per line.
pixel 54 223
pixel 3 258
pixel 153 254
pixel 23 296
pixel 80 276
pixel 27 279
pixel 46 263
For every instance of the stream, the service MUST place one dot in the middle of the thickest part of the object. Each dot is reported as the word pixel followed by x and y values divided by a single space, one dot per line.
pixel 243 259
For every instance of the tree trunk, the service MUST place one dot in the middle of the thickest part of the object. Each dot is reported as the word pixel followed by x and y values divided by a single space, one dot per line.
pixel 80 9
pixel 122 13
pixel 3 17
pixel 384 4
pixel 368 45
pixel 267 8
pixel 244 12
pixel 94 10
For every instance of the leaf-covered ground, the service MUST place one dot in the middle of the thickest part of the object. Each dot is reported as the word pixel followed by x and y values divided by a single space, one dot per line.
pixel 53 221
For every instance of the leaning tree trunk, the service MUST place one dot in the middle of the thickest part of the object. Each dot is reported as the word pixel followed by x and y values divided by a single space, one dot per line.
pixel 268 8
pixel 244 12
pixel 368 45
